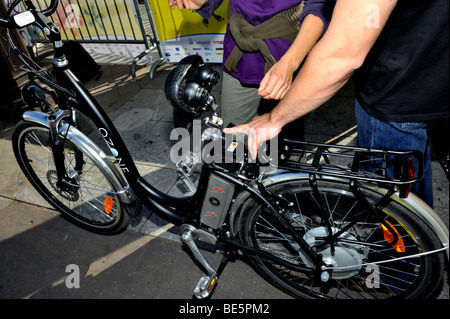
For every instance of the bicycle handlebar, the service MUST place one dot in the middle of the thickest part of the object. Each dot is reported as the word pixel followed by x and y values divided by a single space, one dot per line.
pixel 9 21
pixel 51 9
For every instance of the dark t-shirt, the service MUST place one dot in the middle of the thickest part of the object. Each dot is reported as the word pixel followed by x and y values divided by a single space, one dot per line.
pixel 406 75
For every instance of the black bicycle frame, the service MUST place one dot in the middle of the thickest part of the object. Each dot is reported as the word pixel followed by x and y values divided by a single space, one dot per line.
pixel 70 87
pixel 173 209
pixel 73 95
pixel 149 194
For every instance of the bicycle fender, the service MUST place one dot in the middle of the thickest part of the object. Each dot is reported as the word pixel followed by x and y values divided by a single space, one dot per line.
pixel 88 147
pixel 412 202
pixel 421 210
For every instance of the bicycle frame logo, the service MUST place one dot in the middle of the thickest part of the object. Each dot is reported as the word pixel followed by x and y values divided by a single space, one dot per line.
pixel 114 151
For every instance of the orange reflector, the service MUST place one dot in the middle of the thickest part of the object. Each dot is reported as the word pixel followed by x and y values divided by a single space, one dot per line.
pixel 108 204
pixel 389 237
pixel 211 285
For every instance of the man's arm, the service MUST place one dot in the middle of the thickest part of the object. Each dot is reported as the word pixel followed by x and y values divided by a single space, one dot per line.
pixel 328 67
pixel 314 21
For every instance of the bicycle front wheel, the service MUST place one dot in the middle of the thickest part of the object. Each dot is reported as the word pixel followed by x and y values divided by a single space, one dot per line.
pixel 86 196
pixel 362 262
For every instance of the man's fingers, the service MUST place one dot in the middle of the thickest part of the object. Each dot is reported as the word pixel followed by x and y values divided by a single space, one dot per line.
pixel 266 89
pixel 263 84
pixel 258 131
pixel 252 137
pixel 252 147
pixel 236 129
pixel 244 129
pixel 181 4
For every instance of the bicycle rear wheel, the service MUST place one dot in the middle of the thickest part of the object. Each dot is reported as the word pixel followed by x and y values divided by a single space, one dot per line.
pixel 86 197
pixel 364 265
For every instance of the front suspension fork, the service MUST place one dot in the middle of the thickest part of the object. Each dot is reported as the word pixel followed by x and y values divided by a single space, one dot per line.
pixel 57 145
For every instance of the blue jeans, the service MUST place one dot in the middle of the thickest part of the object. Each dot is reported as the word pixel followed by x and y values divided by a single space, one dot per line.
pixel 399 136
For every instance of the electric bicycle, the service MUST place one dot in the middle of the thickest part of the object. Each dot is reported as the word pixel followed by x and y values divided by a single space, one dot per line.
pixel 324 221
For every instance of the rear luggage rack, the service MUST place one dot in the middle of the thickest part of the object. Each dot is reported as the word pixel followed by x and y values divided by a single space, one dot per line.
pixel 356 163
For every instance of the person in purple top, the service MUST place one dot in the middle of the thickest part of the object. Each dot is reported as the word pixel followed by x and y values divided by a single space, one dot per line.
pixel 398 53
pixel 254 79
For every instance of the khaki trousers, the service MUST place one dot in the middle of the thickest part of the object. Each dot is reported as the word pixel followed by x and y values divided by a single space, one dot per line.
pixel 240 104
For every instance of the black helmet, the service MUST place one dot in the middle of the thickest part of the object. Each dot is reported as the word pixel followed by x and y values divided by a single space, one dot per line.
pixel 188 85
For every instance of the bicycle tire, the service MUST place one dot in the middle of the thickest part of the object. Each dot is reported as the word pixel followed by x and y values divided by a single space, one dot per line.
pixel 88 199
pixel 416 277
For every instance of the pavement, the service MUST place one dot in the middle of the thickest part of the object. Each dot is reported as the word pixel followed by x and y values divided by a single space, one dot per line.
pixel 41 253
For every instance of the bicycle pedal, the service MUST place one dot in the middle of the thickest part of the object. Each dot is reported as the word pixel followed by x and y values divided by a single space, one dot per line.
pixel 207 281
pixel 205 286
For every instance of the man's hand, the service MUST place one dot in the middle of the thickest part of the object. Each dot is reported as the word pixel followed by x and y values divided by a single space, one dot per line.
pixel 278 79
pixel 187 4
pixel 276 82
pixel 329 65
pixel 259 130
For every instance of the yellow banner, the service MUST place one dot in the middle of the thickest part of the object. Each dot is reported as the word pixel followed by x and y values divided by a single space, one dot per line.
pixel 185 32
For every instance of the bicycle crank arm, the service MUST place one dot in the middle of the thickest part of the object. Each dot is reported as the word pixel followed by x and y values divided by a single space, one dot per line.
pixel 207 282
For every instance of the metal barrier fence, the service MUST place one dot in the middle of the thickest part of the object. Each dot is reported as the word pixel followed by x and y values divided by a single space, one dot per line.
pixel 104 22
pixel 97 20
